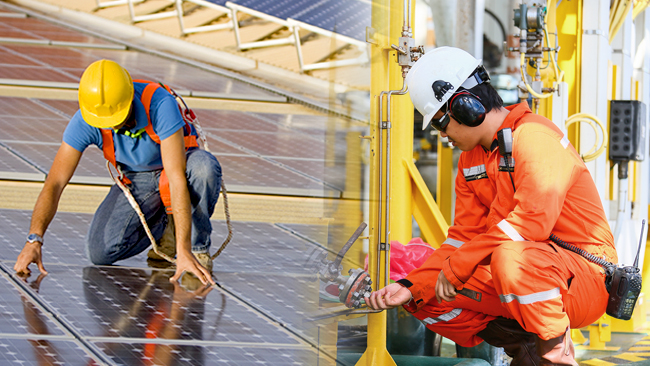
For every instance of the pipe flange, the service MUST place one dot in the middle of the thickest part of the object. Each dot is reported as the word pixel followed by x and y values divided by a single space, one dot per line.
pixel 357 286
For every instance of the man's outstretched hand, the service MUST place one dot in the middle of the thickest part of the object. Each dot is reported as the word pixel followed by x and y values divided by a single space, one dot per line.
pixel 31 253
pixel 187 263
pixel 389 297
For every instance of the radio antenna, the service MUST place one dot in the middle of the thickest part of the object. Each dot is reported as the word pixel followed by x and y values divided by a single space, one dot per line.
pixel 638 252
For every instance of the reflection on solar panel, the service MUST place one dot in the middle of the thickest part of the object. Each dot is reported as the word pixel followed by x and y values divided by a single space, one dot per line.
pixel 130 314
pixel 267 293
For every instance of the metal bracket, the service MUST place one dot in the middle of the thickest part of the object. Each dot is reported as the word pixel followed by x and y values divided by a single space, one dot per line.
pixel 384 247
pixel 370 35
pixel 385 125
pixel 593 31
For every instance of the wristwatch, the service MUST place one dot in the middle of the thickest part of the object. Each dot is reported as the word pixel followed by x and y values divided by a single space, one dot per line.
pixel 33 238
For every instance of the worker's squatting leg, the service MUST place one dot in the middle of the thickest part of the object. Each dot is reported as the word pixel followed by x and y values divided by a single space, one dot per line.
pixel 548 290
pixel 468 321
pixel 115 231
pixel 204 183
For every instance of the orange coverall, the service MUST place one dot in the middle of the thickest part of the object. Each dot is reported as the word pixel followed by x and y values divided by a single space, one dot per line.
pixel 499 246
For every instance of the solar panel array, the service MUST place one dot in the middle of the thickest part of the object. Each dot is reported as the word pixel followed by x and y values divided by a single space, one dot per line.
pixel 130 314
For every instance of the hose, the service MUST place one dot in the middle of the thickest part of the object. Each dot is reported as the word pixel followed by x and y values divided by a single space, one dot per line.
pixel 559 74
pixel 523 77
pixel 618 18
pixel 639 7
pixel 593 153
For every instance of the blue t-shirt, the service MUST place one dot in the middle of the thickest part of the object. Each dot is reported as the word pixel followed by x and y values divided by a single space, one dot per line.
pixel 135 154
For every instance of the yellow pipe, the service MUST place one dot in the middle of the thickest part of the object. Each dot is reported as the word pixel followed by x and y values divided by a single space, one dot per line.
pixel 382 79
pixel 569 25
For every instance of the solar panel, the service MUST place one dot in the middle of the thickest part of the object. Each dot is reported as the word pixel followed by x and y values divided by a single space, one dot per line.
pixel 347 17
pixel 282 9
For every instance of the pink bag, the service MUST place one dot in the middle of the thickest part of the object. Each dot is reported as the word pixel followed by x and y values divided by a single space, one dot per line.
pixel 405 258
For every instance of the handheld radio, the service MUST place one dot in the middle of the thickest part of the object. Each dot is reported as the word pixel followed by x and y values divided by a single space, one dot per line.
pixel 623 283
pixel 624 286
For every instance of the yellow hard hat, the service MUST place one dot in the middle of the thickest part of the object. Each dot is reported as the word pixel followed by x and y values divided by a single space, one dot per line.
pixel 105 94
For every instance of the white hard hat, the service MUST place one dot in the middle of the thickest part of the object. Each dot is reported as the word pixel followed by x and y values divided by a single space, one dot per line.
pixel 448 68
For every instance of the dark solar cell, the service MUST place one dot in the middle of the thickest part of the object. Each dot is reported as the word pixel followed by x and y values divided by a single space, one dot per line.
pixel 282 9
pixel 347 17
pixel 43 352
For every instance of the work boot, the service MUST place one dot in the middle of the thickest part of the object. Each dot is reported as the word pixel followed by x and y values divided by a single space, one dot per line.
pixel 557 351
pixel 205 260
pixel 516 342
pixel 166 244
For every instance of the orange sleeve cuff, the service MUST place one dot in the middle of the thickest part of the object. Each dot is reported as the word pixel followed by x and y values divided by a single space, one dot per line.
pixel 451 275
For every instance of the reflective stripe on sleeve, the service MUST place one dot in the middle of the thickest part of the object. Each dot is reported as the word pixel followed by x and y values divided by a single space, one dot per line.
pixel 510 231
pixel 444 317
pixel 532 298
pixel 475 173
pixel 564 142
pixel 453 242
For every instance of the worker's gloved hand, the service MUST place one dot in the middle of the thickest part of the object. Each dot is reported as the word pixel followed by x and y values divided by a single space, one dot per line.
pixel 186 262
pixel 389 297
pixel 444 289
pixel 31 253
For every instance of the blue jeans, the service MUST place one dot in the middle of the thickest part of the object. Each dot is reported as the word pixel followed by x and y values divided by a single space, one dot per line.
pixel 116 232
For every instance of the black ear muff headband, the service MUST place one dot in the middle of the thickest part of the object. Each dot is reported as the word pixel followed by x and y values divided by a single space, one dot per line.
pixel 467 109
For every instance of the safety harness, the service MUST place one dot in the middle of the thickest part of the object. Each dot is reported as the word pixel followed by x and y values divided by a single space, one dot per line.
pixel 108 148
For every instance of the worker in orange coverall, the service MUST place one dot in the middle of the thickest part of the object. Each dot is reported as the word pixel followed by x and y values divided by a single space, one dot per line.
pixel 498 277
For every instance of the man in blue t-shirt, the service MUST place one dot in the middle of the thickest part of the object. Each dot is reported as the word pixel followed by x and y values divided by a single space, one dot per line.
pixel 112 104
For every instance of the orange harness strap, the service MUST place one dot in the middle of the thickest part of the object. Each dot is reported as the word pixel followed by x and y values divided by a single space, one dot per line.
pixel 108 146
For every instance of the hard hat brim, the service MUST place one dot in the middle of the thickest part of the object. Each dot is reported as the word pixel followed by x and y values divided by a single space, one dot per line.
pixel 427 119
pixel 105 122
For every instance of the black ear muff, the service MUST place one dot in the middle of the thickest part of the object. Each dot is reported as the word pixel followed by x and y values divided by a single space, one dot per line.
pixel 467 109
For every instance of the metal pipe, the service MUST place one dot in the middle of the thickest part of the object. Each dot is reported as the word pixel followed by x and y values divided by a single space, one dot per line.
pixel 406 28
pixel 348 245
pixel 406 32
pixel 381 185
pixel 388 178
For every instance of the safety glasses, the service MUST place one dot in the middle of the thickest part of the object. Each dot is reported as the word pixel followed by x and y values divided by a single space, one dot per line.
pixel 441 123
